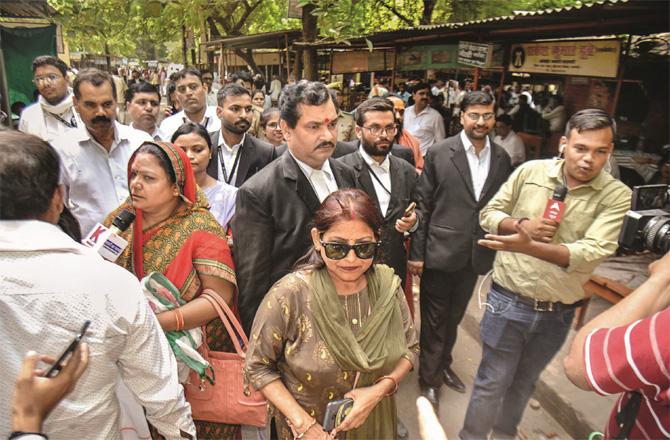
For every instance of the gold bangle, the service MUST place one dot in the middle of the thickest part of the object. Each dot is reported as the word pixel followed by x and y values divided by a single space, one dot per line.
pixel 295 432
pixel 392 379
pixel 180 318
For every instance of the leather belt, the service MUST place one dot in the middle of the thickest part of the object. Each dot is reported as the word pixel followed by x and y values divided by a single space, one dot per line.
pixel 536 304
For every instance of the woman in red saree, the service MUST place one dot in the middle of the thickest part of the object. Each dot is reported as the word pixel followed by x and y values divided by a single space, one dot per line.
pixel 175 234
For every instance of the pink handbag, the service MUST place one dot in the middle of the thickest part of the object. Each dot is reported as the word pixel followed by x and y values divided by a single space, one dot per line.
pixel 231 400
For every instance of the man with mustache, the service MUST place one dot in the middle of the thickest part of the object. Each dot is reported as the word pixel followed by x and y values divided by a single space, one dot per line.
pixel 389 180
pixel 236 154
pixel 274 209
pixel 95 156
pixel 143 102
pixel 460 175
pixel 52 115
pixel 192 97
pixel 422 121
pixel 403 137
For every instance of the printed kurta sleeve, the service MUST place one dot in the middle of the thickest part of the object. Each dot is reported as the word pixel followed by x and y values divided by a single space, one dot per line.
pixel 268 334
pixel 408 326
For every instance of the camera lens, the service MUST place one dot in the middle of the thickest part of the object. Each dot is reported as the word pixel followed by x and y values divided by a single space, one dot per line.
pixel 657 234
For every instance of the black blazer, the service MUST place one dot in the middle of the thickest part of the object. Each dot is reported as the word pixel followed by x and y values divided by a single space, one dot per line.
pixel 403 185
pixel 271 227
pixel 447 238
pixel 341 149
pixel 397 150
pixel 255 155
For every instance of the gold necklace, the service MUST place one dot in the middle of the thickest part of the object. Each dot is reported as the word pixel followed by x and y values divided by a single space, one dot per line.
pixel 355 320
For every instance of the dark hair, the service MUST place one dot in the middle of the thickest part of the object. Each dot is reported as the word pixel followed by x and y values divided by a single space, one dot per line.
pixel 231 89
pixel 245 77
pixel 333 96
pixel 420 86
pixel 48 60
pixel 169 90
pixel 191 127
pixel 94 76
pixel 266 115
pixel 187 71
pixel 70 225
pixel 590 119
pixel 558 99
pixel 505 119
pixel 256 91
pixel 141 87
pixel 29 172
pixel 163 159
pixel 302 92
pixel 341 205
pixel 376 104
pixel 476 98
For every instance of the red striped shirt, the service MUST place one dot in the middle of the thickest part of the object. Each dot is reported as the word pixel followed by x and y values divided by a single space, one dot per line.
pixel 634 357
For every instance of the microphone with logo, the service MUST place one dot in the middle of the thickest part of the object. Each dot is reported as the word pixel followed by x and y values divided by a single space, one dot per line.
pixel 108 241
pixel 555 206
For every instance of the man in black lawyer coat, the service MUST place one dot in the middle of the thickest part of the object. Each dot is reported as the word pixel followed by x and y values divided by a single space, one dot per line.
pixel 460 176
pixel 275 208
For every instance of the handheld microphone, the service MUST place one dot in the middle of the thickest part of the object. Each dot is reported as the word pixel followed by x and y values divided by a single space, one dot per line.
pixel 555 206
pixel 108 241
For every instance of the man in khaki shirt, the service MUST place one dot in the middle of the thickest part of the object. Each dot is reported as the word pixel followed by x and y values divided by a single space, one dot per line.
pixel 541 266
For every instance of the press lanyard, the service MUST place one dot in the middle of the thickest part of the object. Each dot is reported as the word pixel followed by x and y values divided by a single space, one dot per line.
pixel 71 124
pixel 236 162
pixel 377 178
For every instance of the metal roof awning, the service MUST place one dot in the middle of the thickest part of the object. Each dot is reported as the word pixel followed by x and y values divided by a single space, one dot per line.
pixel 27 9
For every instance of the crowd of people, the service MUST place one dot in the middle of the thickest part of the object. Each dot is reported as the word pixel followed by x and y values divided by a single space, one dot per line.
pixel 312 240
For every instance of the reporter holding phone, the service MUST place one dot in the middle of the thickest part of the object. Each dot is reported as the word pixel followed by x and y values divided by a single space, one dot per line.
pixel 337 327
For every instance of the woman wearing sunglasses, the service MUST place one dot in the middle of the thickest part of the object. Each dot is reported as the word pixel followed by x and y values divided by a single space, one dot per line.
pixel 337 327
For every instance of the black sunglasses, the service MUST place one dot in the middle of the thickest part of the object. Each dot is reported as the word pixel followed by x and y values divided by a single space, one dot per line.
pixel 338 251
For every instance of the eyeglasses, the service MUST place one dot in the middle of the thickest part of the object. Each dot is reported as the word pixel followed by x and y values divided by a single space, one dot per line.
pixel 338 251
pixel 51 78
pixel 390 130
pixel 273 125
pixel 474 117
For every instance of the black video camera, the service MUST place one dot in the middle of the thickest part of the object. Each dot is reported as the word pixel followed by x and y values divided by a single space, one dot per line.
pixel 646 226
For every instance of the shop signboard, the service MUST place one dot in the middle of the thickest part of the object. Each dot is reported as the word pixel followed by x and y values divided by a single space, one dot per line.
pixel 475 54
pixel 442 56
pixel 597 58
pixel 361 61
pixel 294 9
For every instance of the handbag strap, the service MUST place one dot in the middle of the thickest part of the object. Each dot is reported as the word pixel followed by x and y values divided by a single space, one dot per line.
pixel 229 313
pixel 216 302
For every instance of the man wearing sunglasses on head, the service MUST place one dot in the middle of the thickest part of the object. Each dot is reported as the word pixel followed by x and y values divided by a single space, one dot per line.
pixel 460 176
pixel 53 114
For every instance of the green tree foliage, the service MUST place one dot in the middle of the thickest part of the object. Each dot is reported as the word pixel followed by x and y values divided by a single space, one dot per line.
pixel 146 28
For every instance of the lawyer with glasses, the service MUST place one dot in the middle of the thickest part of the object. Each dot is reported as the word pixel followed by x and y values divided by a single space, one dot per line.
pixel 337 327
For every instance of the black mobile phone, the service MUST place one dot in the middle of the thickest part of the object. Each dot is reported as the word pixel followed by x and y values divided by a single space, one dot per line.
pixel 55 368
pixel 336 412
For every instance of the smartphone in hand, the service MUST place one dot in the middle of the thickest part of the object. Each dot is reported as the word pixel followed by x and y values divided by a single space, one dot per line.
pixel 55 368
pixel 410 209
pixel 336 412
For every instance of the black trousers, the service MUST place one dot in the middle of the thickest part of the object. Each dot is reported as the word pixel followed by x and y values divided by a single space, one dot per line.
pixel 444 298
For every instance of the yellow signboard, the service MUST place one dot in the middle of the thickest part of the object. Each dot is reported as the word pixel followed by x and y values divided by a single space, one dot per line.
pixel 598 58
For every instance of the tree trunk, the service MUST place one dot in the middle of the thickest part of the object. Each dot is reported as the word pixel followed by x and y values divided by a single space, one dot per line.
pixel 309 32
pixel 248 56
pixel 297 65
pixel 183 46
pixel 108 58
pixel 427 15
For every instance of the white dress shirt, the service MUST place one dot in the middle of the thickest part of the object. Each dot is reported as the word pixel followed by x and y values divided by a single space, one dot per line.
pixel 514 146
pixel 96 181
pixel 210 121
pixel 50 286
pixel 157 135
pixel 230 156
pixel 382 171
pixel 427 126
pixel 322 181
pixel 479 165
